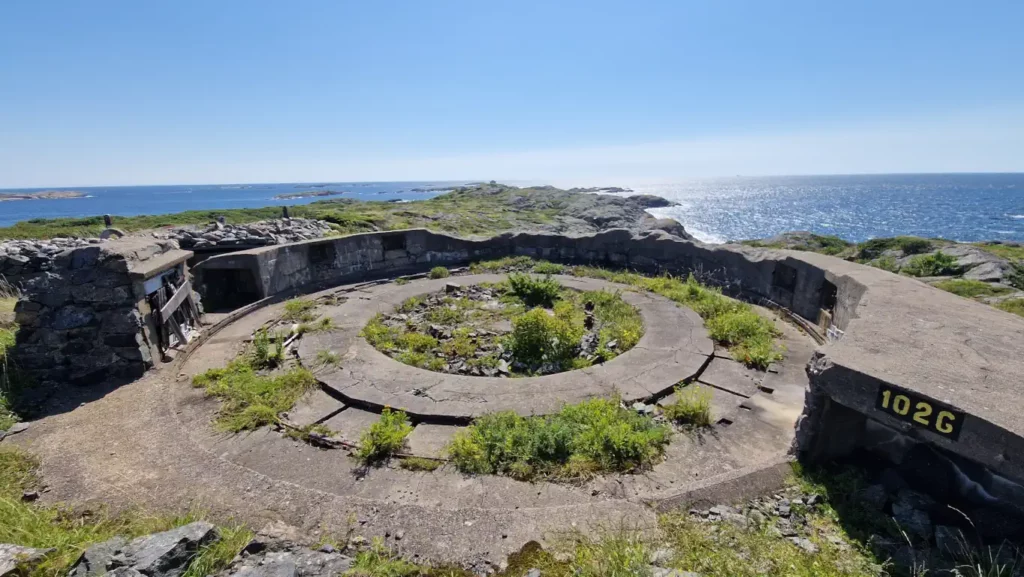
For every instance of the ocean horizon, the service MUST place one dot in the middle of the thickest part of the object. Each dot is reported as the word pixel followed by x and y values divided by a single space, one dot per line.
pixel 964 207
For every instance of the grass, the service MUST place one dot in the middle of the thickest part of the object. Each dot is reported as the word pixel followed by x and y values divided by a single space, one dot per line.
pixel 577 442
pixel 692 407
pixel 535 291
pixel 384 438
pixel 970 288
pixel 419 464
pixel 250 400
pixel 9 378
pixel 1011 253
pixel 750 337
pixel 1015 306
pixel 438 272
pixel 325 358
pixel 824 244
pixel 70 533
pixel 299 310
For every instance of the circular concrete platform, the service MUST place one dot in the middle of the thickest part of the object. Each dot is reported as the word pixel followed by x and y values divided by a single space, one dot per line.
pixel 675 348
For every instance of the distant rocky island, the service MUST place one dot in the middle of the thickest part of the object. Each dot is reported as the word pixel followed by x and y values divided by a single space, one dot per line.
pixel 41 195
pixel 309 194
pixel 603 189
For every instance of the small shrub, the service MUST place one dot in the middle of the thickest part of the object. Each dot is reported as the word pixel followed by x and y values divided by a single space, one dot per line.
pixel 578 441
pixel 299 310
pixel 937 264
pixel 419 464
pixel 538 337
pixel 384 438
pixel 692 406
pixel 380 335
pixel 534 291
pixel 913 245
pixel 545 267
pixel 438 272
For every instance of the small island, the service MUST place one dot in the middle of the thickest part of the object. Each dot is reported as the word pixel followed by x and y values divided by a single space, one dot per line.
pixel 41 195
pixel 308 194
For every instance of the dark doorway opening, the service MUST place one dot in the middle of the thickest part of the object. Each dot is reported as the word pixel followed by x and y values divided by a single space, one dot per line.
pixel 227 289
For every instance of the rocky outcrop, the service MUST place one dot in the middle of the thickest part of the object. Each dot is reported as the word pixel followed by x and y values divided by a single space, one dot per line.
pixel 14 558
pixel 166 554
pixel 262 233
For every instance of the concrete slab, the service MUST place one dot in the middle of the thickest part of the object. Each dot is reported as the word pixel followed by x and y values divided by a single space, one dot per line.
pixel 724 405
pixel 314 407
pixel 431 440
pixel 731 376
pixel 350 423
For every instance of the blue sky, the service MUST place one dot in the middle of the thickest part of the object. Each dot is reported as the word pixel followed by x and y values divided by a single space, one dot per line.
pixel 127 92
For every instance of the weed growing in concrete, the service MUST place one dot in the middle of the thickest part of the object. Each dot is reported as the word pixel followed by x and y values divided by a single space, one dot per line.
pixel 299 310
pixel 419 464
pixel 692 407
pixel 579 441
pixel 267 351
pixel 534 291
pixel 251 400
pixel 324 324
pixel 327 358
pixel 401 281
pixel 438 272
pixel 384 438
pixel 938 264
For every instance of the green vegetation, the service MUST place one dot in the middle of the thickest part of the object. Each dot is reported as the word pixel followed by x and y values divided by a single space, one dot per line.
pixel 250 399
pixel 749 336
pixel 538 337
pixel 534 291
pixel 824 244
pixel 691 408
pixel 419 464
pixel 444 330
pixel 10 380
pixel 70 534
pixel 579 441
pixel 886 262
pixel 873 248
pixel 1015 306
pixel 325 358
pixel 506 264
pixel 937 264
pixel 1015 278
pixel 1011 253
pixel 384 438
pixel 438 272
pixel 267 351
pixel 486 209
pixel 299 310
pixel 970 288
pixel 545 267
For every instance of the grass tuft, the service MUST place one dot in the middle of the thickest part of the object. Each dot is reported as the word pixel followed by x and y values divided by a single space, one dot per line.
pixel 299 310
pixel 419 464
pixel 384 438
pixel 535 291
pixel 1015 306
pixel 692 406
pixel 251 400
pixel 938 264
pixel 578 441
pixel 970 288
pixel 438 272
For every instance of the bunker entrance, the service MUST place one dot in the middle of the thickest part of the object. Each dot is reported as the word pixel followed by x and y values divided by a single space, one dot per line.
pixel 228 289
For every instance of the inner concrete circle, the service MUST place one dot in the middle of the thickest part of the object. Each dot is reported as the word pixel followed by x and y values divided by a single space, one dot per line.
pixel 674 348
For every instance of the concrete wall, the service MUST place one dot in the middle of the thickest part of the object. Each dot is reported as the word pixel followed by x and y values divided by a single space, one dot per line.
pixel 897 331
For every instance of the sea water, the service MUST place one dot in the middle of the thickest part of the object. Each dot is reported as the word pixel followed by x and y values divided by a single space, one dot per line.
pixel 963 207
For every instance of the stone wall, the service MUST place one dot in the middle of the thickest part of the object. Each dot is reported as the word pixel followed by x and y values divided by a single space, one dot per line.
pixel 83 319
pixel 23 260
